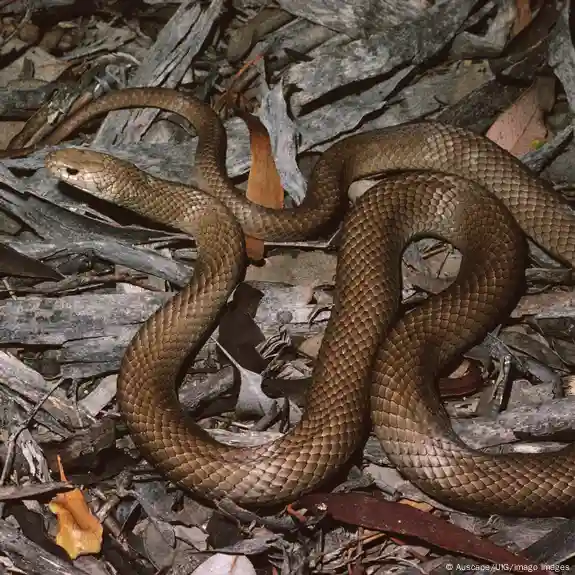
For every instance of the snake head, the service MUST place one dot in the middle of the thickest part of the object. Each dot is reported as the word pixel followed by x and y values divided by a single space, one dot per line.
pixel 97 173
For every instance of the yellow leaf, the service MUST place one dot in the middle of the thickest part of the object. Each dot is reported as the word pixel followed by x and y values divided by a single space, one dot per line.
pixel 79 531
pixel 421 505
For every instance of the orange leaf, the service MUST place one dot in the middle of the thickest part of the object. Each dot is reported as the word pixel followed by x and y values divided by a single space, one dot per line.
pixel 79 531
pixel 521 126
pixel 264 183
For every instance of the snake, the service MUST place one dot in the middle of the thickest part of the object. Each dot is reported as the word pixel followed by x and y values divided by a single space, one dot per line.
pixel 376 365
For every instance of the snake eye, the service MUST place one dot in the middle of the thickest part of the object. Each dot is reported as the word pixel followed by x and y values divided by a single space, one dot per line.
pixel 72 171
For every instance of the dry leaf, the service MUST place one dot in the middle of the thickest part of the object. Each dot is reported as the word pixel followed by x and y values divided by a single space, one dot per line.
pixel 421 505
pixel 79 532
pixel 12 262
pixel 524 16
pixel 520 128
pixel 375 513
pixel 264 183
pixel 226 565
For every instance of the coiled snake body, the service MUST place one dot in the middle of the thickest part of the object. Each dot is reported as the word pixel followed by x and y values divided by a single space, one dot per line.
pixel 458 186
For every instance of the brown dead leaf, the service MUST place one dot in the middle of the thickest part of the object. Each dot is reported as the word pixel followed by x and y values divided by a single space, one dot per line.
pixel 12 262
pixel 264 183
pixel 520 128
pixel 79 532
pixel 378 514
pixel 463 382
pixel 524 16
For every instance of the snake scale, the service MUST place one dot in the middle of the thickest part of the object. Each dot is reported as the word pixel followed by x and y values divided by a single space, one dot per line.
pixel 442 181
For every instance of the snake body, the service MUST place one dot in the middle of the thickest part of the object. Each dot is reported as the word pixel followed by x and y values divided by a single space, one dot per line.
pixel 459 186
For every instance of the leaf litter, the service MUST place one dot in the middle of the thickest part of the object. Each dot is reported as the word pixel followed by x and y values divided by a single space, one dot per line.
pixel 79 279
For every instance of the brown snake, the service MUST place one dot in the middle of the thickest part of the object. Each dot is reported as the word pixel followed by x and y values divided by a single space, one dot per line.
pixel 363 342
